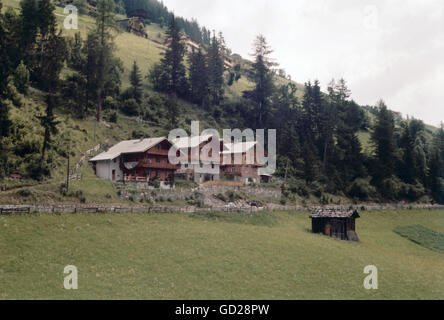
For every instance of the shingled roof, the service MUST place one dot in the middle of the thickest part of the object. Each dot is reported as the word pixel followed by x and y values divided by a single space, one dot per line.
pixel 334 213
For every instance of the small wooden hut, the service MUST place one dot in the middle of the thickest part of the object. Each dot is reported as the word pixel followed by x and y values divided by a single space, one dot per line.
pixel 336 223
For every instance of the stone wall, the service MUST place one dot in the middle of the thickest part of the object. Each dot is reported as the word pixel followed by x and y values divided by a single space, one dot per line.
pixel 101 209
pixel 206 192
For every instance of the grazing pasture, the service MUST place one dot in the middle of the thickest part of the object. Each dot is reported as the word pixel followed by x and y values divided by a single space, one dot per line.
pixel 215 256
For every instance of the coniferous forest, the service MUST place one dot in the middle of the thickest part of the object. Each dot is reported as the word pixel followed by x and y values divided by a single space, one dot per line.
pixel 318 133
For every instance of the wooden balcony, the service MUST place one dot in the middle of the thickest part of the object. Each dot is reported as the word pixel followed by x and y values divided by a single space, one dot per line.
pixel 157 165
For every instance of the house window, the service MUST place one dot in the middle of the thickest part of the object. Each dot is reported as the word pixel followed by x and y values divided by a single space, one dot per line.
pixel 158 147
pixel 232 169
pixel 212 166
pixel 158 160
pixel 246 169
pixel 186 165
pixel 168 160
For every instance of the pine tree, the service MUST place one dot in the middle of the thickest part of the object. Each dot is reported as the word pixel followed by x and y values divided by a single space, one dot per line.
pixel 170 75
pixel 29 30
pixel 215 72
pixel 46 20
pixel 105 24
pixel 263 78
pixel 383 140
pixel 51 56
pixel 198 78
pixel 136 83
pixel 436 166
pixel 347 119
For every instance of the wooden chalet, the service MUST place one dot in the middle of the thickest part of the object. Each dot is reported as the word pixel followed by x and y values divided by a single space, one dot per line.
pixel 190 44
pixel 199 166
pixel 336 223
pixel 240 161
pixel 136 160
pixel 134 25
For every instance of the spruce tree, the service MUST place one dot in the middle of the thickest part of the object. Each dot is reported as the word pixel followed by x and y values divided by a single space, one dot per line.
pixel 384 143
pixel 215 72
pixel 170 75
pixel 105 24
pixel 263 79
pixel 29 30
pixel 198 78
pixel 136 83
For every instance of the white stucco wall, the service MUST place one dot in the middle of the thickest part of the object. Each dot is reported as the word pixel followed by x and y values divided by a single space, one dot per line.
pixel 104 169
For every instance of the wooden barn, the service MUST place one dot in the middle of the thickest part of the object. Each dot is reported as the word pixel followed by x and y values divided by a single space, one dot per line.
pixel 336 223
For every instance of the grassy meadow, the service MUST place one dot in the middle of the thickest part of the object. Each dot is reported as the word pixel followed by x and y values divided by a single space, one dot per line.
pixel 215 256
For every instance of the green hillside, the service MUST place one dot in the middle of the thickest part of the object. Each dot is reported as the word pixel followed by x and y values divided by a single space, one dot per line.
pixel 176 256
pixel 78 135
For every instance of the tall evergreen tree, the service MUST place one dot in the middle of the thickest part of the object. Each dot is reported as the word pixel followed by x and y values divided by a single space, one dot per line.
pixel 198 77
pixel 383 140
pixel 263 78
pixel 105 24
pixel 348 149
pixel 136 83
pixel 436 166
pixel 51 53
pixel 29 30
pixel 170 75
pixel 215 71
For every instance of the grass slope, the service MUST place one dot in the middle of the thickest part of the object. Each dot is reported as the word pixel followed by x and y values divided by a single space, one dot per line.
pixel 172 256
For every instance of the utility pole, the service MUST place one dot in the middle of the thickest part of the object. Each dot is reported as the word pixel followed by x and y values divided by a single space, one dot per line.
pixel 67 173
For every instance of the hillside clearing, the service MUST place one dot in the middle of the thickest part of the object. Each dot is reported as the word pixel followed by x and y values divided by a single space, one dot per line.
pixel 172 256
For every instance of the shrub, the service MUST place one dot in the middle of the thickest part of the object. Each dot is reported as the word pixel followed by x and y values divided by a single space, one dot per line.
pixel 113 117
pixel 21 78
pixel 361 189
pixel 137 134
pixel 24 193
pixel 37 170
pixel 130 107
pixel 154 183
pixel 109 103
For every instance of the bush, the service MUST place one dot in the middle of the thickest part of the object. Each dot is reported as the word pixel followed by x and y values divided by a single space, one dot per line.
pixel 109 103
pixel 130 107
pixel 317 188
pixel 361 189
pixel 113 117
pixel 24 193
pixel 21 78
pixel 154 183
pixel 37 170
pixel 390 188
pixel 137 134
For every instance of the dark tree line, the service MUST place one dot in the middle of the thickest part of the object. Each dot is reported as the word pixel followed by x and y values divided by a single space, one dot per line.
pixel 319 145
pixel 34 52
pixel 203 84
pixel 319 149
